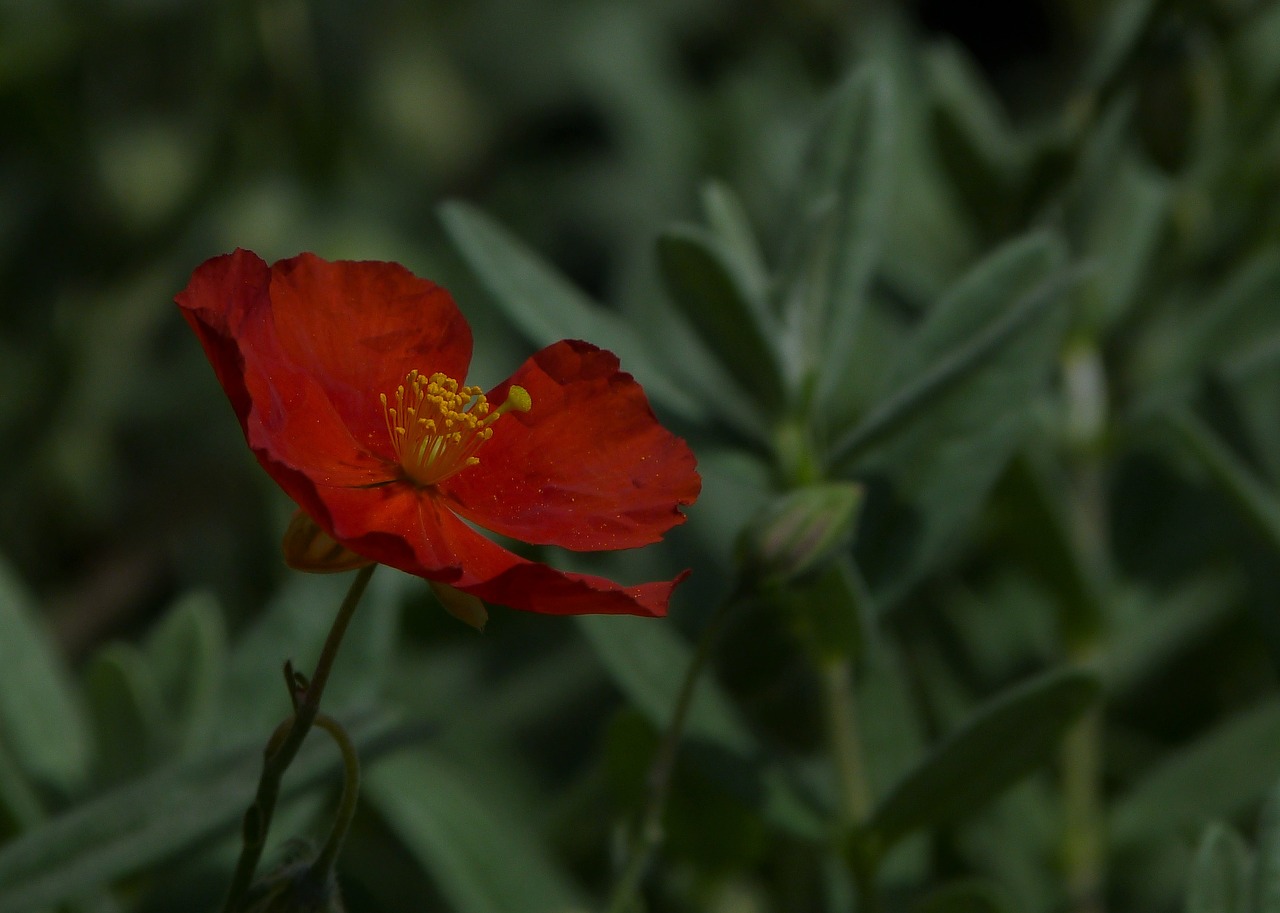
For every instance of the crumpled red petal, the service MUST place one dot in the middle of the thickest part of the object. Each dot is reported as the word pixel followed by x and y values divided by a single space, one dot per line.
pixel 588 468
pixel 414 531
pixel 287 417
pixel 359 327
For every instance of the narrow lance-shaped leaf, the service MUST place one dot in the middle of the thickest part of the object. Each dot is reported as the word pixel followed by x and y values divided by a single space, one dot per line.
pixel 1266 870
pixel 1219 774
pixel 648 661
pixel 1256 503
pixel 483 857
pixel 952 346
pixel 843 210
pixel 1003 742
pixel 547 307
pixel 728 221
pixel 41 720
pixel 709 293
pixel 1219 878
pixel 140 824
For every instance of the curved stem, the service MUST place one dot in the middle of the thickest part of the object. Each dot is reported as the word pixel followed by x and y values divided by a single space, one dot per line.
pixel 324 862
pixel 283 747
pixel 649 835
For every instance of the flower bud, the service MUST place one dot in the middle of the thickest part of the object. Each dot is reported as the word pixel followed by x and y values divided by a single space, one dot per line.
pixel 309 548
pixel 295 888
pixel 796 532
pixel 462 606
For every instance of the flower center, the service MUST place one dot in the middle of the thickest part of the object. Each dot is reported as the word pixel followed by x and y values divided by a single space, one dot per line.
pixel 436 426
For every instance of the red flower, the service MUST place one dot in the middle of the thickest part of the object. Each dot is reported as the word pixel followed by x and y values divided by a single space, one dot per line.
pixel 347 380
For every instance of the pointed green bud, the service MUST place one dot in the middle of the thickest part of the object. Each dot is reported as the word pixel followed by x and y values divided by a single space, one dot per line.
pixel 796 532
pixel 463 606
pixel 295 888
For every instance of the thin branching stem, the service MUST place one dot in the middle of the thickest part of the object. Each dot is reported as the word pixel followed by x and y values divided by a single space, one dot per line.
pixel 283 747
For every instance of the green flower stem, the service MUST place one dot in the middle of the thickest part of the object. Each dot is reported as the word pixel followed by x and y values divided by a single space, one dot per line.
pixel 649 836
pixel 283 747
pixel 324 862
pixel 1085 628
pixel 1083 844
pixel 846 744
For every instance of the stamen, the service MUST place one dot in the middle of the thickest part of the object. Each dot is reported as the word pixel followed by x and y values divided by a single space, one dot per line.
pixel 436 426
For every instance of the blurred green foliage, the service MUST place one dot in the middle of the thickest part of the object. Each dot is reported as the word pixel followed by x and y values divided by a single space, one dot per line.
pixel 1025 297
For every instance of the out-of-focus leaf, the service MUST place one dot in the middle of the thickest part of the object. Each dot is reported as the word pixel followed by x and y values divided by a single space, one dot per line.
pixel 1259 506
pixel 484 859
pixel 1003 742
pixel 1254 48
pixel 1118 38
pixel 986 313
pixel 1219 877
pixel 966 897
pixel 1216 776
pixel 19 803
pixel 142 823
pixel 833 610
pixel 1036 531
pixel 187 653
pixel 976 143
pixel 1266 869
pixel 41 720
pixel 844 203
pixel 293 627
pixel 128 715
pixel 710 295
pixel 961 402
pixel 1172 624
pixel 1121 240
pixel 648 661
pixel 728 220
pixel 547 308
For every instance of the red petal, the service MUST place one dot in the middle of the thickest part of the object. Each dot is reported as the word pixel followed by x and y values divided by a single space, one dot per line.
pixel 359 328
pixel 410 529
pixel 587 468
pixel 287 417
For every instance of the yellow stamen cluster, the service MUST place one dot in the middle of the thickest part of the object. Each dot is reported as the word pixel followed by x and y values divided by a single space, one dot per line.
pixel 436 425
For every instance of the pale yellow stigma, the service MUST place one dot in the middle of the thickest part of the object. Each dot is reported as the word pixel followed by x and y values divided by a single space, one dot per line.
pixel 436 426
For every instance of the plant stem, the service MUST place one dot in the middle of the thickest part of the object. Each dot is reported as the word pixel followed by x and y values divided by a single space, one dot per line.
pixel 649 834
pixel 283 747
pixel 1083 848
pixel 846 743
pixel 324 862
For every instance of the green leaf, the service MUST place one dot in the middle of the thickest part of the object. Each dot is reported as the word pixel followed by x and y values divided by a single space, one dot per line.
pixel 728 220
pixel 41 720
pixel 844 202
pixel 128 714
pixel 965 897
pixel 648 661
pixel 1127 222
pixel 1219 878
pixel 187 653
pixel 1266 870
pixel 138 825
pixel 1217 775
pixel 834 611
pixel 961 404
pixel 548 308
pixel 986 313
pixel 1258 504
pixel 484 858
pixel 707 290
pixel 1117 40
pixel 976 144
pixel 1004 741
